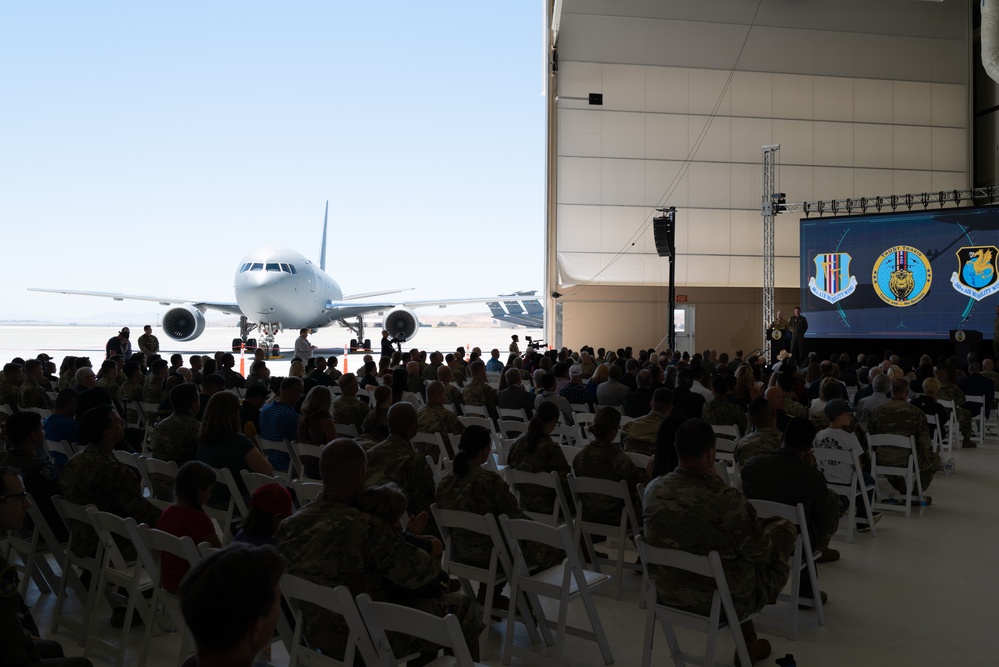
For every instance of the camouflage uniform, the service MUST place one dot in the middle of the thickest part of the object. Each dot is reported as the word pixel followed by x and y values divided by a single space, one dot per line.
pixel 453 395
pixel 546 457
pixel 458 373
pixel 350 410
pixel 438 419
pixel 430 372
pixel 792 408
pixel 67 379
pixel 480 393
pixel 484 492
pixel 901 418
pixel 720 412
pixel 9 392
pixel 951 392
pixel 760 441
pixel 640 434
pixel 175 439
pixel 31 395
pixel 330 543
pixel 395 460
pixel 96 476
pixel 148 344
pixel 698 513
pixel 152 390
pixel 604 462
pixel 130 394
pixel 375 427
pixel 112 387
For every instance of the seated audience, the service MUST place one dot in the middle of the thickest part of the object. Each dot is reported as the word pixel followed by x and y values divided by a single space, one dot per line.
pixel 720 411
pixel 348 409
pixel 25 437
pixel 478 392
pixel 395 460
pixel 269 505
pixel 836 436
pixel 899 417
pixel 640 435
pixel 186 518
pixel 535 451
pixel 765 436
pixel 279 420
pixel 600 459
pixel 221 444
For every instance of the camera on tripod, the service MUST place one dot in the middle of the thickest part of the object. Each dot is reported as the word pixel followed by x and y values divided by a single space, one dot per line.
pixel 534 344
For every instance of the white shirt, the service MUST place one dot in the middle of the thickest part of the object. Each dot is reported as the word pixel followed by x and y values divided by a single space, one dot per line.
pixel 303 348
pixel 836 438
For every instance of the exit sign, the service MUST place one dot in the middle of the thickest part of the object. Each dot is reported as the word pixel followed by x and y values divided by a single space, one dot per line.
pixel 681 298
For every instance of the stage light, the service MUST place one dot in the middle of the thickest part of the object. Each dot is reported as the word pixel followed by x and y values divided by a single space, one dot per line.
pixel 908 201
pixel 957 197
pixel 863 204
pixel 834 205
pixel 924 197
pixel 878 203
pixel 849 206
pixel 805 207
pixel 821 206
pixel 893 201
pixel 778 203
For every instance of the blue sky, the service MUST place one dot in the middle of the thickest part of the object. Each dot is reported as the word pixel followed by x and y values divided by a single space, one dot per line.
pixel 147 147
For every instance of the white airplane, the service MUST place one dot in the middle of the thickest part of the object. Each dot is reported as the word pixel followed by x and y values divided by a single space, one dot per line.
pixel 277 288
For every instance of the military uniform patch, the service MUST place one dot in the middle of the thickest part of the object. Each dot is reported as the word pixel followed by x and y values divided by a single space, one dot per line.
pixel 977 272
pixel 832 281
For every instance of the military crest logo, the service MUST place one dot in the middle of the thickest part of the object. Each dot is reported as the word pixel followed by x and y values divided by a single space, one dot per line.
pixel 977 272
pixel 902 276
pixel 832 281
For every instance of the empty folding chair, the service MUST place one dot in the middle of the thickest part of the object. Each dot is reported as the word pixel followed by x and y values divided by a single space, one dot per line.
pixel 383 617
pixel 830 460
pixel 721 616
pixel 803 559
pixel 337 601
pixel 578 408
pixel 898 447
pixel 565 582
pixel 484 422
pixel 582 490
pixel 77 520
pixel 158 543
pixel 494 576
pixel 571 434
pixel 936 437
pixel 118 573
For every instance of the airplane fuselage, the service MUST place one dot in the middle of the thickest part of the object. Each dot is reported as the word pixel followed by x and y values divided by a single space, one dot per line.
pixel 280 286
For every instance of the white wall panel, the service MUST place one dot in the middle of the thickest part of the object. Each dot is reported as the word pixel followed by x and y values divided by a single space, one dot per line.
pixel 909 103
pixel 579 132
pixel 710 184
pixel 872 101
pixel 948 180
pixel 912 147
pixel 872 146
pixel 578 79
pixel 710 139
pixel 872 182
pixel 749 135
pixel 832 183
pixel 795 138
pixel 746 186
pixel 950 149
pixel 666 136
pixel 579 180
pixel 622 134
pixel 793 96
pixel 949 105
pixel 796 182
pixel 911 181
pixel 833 144
pixel 666 89
pixel 623 87
pixel 753 94
pixel 665 185
pixel 622 182
pixel 705 89
pixel 833 98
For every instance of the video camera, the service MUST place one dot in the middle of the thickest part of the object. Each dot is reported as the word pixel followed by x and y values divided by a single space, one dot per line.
pixel 534 344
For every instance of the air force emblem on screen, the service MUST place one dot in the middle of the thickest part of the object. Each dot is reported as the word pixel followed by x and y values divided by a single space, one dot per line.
pixel 976 274
pixel 832 281
pixel 902 276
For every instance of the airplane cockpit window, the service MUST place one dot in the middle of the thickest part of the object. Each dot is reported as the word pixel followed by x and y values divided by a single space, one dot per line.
pixel 244 268
pixel 285 269
pixel 274 267
pixel 293 271
pixel 257 267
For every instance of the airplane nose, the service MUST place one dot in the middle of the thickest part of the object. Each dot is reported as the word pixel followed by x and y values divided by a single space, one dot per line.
pixel 259 292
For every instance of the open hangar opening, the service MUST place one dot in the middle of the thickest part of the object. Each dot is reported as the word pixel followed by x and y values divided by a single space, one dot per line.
pixel 656 103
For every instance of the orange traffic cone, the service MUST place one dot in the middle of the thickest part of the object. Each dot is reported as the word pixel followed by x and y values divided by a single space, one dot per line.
pixel 345 351
pixel 242 361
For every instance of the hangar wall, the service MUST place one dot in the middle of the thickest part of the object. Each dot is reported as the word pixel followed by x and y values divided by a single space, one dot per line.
pixel 865 99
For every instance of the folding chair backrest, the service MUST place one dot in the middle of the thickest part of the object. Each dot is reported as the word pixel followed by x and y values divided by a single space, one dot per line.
pixel 284 447
pixel 383 617
pixel 300 450
pixel 306 491
pixel 432 439
pixel 346 431
pixel 132 461
pixel 62 447
pixel 484 422
pixel 513 414
pixel 254 480
pixel 512 428
pixel 337 600
pixel 578 408
pixel 151 468
pixel 569 452
pixel 475 411
pixel 549 480
pixel 159 542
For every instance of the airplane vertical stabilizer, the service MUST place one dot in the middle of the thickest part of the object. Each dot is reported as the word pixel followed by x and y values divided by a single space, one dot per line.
pixel 322 250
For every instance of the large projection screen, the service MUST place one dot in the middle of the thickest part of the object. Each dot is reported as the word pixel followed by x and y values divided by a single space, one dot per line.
pixel 912 275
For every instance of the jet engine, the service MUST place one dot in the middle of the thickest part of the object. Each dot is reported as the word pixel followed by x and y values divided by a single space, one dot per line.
pixel 183 323
pixel 401 323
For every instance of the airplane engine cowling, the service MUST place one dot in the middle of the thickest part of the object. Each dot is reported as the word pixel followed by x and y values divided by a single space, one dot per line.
pixel 401 322
pixel 183 323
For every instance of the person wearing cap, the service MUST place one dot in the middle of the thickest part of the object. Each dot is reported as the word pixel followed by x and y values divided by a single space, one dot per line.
pixel 119 344
pixel 148 342
pixel 841 417
pixel 269 505
pixel 575 392
pixel 899 417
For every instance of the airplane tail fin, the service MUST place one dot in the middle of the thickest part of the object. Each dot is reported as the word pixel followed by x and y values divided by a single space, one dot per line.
pixel 322 249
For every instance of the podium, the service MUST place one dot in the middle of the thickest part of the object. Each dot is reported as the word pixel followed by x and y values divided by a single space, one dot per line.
pixel 780 339
pixel 965 341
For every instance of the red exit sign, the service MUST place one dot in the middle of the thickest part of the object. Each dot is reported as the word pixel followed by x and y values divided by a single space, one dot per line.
pixel 681 298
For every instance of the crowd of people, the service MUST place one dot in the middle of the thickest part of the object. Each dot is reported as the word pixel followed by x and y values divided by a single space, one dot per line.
pixel 371 528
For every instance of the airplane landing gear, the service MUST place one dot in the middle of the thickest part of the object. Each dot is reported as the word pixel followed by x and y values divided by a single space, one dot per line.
pixel 358 329
pixel 250 344
pixel 245 327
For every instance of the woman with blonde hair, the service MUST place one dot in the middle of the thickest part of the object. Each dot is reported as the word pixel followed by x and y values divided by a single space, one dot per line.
pixel 316 425
pixel 297 369
pixel 746 388
pixel 601 374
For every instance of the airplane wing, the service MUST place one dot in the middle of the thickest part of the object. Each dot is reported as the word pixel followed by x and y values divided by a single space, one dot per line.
pixel 227 308
pixel 347 309
pixel 366 295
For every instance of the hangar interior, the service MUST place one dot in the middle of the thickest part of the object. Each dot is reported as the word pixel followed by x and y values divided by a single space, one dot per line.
pixel 865 98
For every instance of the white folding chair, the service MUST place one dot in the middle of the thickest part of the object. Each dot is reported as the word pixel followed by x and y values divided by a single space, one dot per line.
pixel 721 615
pixel 560 513
pixel 627 525
pixel 494 576
pixel 977 422
pixel 513 414
pixel 640 460
pixel 33 550
pixel 236 507
pixel 132 461
pixel 909 471
pixel 565 582
pixel 162 476
pixel 337 601
pixel 346 431
pixel 283 446
pixel 726 439
pixel 382 617
pixel 512 428
pixel 254 480
pixel 484 422
pixel 75 516
pixel 158 543
pixel 935 434
pixel 306 491
pixel 42 412
pixel 300 450
pixel 117 572
pixel 834 458
pixel 583 421
pixel 802 559
pixel 953 431
pixel 569 452
pixel 578 408
pixel 62 447
pixel 433 443
pixel 474 411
